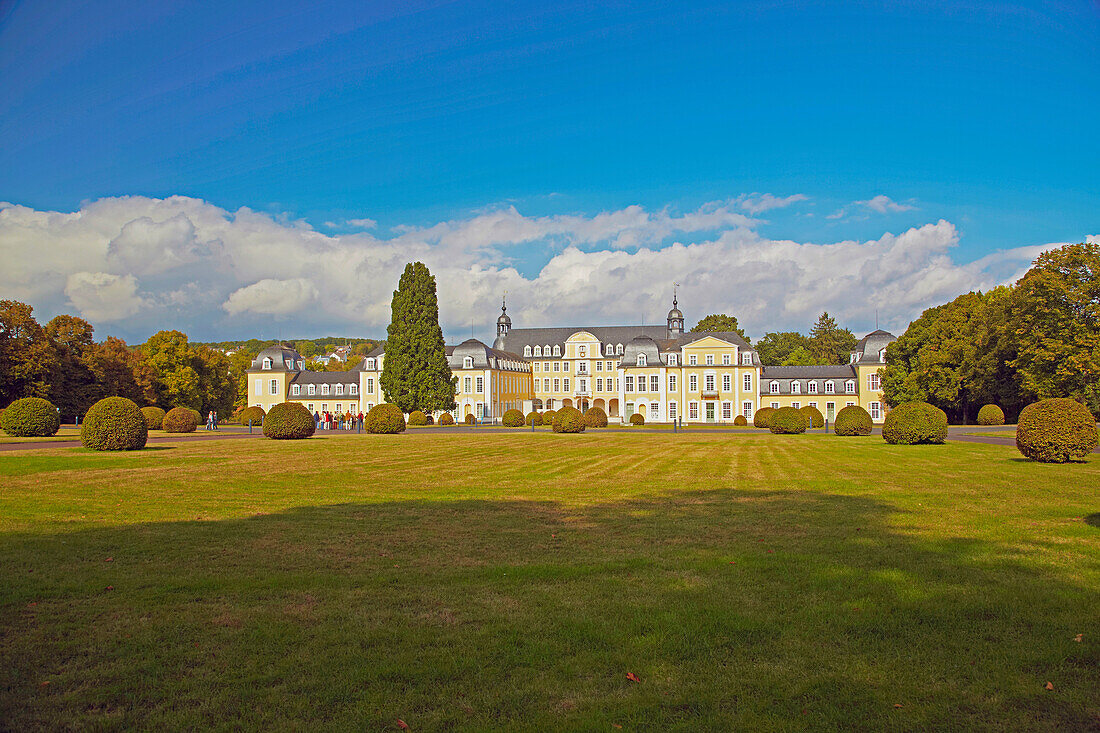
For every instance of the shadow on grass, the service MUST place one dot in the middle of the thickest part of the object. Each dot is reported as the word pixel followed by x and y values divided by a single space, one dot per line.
pixel 735 609
pixel 1093 520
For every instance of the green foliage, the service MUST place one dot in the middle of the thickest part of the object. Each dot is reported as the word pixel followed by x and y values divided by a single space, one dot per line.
pixel 595 417
pixel 991 415
pixel 27 357
pixel 114 423
pixel 776 348
pixel 814 418
pixel 199 420
pixel 386 419
pixel 800 357
pixel 740 421
pixel 417 419
pixel 533 418
pixel 176 381
pixel 255 414
pixel 154 417
pixel 307 349
pixel 30 417
pixel 446 419
pixel 637 418
pixel 513 419
pixel 853 420
pixel 239 363
pixel 787 421
pixel 73 386
pixel 763 416
pixel 830 344
pixel 415 373
pixel 548 417
pixel 1056 431
pixel 122 371
pixel 180 420
pixel 469 419
pixel 911 423
pixel 568 420
pixel 720 323
pixel 289 421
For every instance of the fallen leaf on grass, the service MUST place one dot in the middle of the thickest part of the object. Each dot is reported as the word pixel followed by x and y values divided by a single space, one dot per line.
pixel 43 684
pixel 632 677
pixel 110 559
pixel 1050 685
pixel 733 562
pixel 110 587
pixel 1079 637
pixel 402 724
pixel 897 705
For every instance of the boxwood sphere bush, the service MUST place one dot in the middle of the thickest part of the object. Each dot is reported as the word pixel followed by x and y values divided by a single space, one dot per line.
pixel 30 417
pixel 289 421
pixel 469 419
pixel 385 419
pixel 114 423
pixel 787 421
pixel 740 421
pixel 637 418
pixel 417 418
pixel 154 417
pixel 814 418
pixel 991 415
pixel 911 423
pixel 179 420
pixel 762 418
pixel 595 417
pixel 533 418
pixel 1055 431
pixel 513 419
pixel 548 417
pixel 852 420
pixel 254 414
pixel 446 419
pixel 199 419
pixel 568 420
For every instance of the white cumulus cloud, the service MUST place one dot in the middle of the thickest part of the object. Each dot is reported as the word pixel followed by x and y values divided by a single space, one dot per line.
pixel 272 297
pixel 101 296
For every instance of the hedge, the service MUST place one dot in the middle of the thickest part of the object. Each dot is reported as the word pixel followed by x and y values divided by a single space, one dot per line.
pixel 446 419
pixel 814 418
pixel 991 415
pixel 513 419
pixel 385 419
pixel 548 417
pixel 568 420
pixel 154 417
pixel 179 420
pixel 470 419
pixel 762 418
pixel 30 417
pixel 911 423
pixel 740 421
pixel 1056 431
pixel 852 420
pixel 533 418
pixel 787 421
pixel 114 423
pixel 595 417
pixel 254 414
pixel 417 419
pixel 289 421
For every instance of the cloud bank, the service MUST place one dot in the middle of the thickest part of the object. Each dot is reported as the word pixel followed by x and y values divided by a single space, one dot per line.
pixel 133 265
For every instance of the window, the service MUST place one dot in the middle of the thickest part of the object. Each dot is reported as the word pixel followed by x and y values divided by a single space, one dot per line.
pixel 876 410
pixel 289 363
pixel 654 407
pixel 693 411
pixel 608 350
pixel 565 385
pixel 882 355
pixel 829 387
pixel 748 382
pixel 774 387
pixel 618 349
pixel 339 389
pixel 324 389
pixel 873 382
pixel 370 386
pixel 813 387
pixel 746 410
pixel 300 364
pixel 582 351
pixel 693 382
pixel 746 359
pixel 692 359
pixel 672 359
pixel 339 407
pixel 582 367
pixel 557 366
pixel 610 365
pixel 796 405
pixel 274 386
pixel 353 389
pixel 480 385
pixel 599 385
pixel 582 386
pixel 727 410
pixel 654 383
pixel 557 385
pixel 630 384
pixel 546 385
pixel 641 360
pixel 671 382
pixel 725 359
pixel 546 366
pixel 312 389
pixel 267 363
pixel 850 386
pixel 538 351
pixel 546 350
pixel 296 389
pixel 535 366
pixel 796 386
pixel 710 359
pixel 468 362
pixel 565 366
pixel 813 405
pixel 557 350
pixel 599 366
pixel 259 386
pixel 775 405
pixel 708 380
pixel 527 350
pixel 727 383
pixel 671 410
pixel 311 407
pixel 370 363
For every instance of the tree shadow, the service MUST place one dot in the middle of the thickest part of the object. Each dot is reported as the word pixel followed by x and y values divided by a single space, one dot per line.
pixel 1093 520
pixel 735 608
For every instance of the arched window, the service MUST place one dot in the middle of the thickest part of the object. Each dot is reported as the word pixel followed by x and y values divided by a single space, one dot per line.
pixel 339 389
pixel 312 389
pixel 619 349
pixel 538 351
pixel 526 350
pixel 582 351
pixel 609 350
pixel 546 350
pixel 324 389
pixel 882 355
pixel 468 362
pixel 557 350
pixel 267 363
pixel 641 360
pixel 353 389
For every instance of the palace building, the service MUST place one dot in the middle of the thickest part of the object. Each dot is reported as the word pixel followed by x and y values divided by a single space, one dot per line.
pixel 661 372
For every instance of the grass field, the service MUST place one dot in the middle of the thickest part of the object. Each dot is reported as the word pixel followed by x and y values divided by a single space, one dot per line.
pixel 502 580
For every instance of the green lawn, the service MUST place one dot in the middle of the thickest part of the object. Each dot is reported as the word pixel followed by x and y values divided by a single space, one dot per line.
pixel 513 580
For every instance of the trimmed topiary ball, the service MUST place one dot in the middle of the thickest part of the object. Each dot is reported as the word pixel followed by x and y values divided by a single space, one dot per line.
pixel 991 415
pixel 446 419
pixel 254 414
pixel 911 423
pixel 154 417
pixel 533 418
pixel 1056 431
pixel 385 419
pixel 740 421
pixel 289 421
pixel 417 418
pixel 814 418
pixel 595 417
pixel 30 417
pixel 787 421
pixel 852 420
pixel 763 416
pixel 548 417
pixel 568 420
pixel 114 423
pixel 513 419
pixel 469 419
pixel 637 419
pixel 199 419
pixel 179 420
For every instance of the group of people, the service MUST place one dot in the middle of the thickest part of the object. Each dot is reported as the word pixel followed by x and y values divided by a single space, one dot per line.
pixel 336 421
pixel 212 420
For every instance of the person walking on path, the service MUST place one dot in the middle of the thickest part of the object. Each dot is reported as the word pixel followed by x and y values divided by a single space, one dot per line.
pixel 210 420
pixel 215 419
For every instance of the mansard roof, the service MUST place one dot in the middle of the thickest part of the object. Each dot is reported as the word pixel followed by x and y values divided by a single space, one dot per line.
pixel 870 345
pixel 279 355
pixel 518 338
pixel 813 371
pixel 484 357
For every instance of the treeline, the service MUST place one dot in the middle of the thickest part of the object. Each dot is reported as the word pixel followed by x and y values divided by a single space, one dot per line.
pixel 62 362
pixel 827 343
pixel 1037 339
pixel 308 348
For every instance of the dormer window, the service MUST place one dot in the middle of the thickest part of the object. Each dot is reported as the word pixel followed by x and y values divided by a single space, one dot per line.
pixel 882 355
pixel 855 355
pixel 619 349
pixel 850 386
pixel 296 389
pixel 830 388
pixel 813 387
pixel 339 389
pixel 468 362
pixel 796 387
pixel 641 359
pixel 370 363
pixel 301 365
pixel 746 359
pixel 774 387
pixel 324 389
pixel 557 350
pixel 311 389
pixel 353 389
pixel 267 363
pixel 289 363
pixel 538 351
pixel 526 350
pixel 546 350
pixel 672 359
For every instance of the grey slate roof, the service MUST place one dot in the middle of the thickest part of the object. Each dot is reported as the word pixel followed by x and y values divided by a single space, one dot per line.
pixel 279 354
pixel 804 375
pixel 485 357
pixel 870 345
pixel 518 338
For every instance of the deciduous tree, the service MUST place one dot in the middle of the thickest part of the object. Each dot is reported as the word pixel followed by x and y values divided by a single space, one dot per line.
pixel 720 323
pixel 775 348
pixel 27 357
pixel 177 381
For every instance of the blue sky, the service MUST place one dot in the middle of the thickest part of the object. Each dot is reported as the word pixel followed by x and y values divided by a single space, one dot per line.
pixel 983 115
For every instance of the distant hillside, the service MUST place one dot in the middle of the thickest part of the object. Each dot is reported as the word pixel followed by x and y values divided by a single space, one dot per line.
pixel 307 347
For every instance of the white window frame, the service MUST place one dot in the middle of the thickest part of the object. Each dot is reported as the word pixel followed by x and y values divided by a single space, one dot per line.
pixel 850 386
pixel 672 359
pixel 654 383
pixel 747 382
pixel 727 383
pixel 641 360
pixel 693 383
pixel 296 389
pixel 773 388
pixel 830 387
pixel 811 388
pixel 274 386
pixel 527 350
pixel 796 387
pixel 311 389
pixel 746 359
pixel 671 382
pixel 266 363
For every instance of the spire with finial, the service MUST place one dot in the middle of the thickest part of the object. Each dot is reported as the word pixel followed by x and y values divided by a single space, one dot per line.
pixel 504 323
pixel 675 317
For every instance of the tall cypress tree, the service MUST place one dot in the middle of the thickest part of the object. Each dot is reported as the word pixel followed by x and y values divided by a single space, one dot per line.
pixel 415 372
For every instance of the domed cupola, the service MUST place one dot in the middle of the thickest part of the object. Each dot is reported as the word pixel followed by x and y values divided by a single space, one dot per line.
pixel 675 318
pixel 504 325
